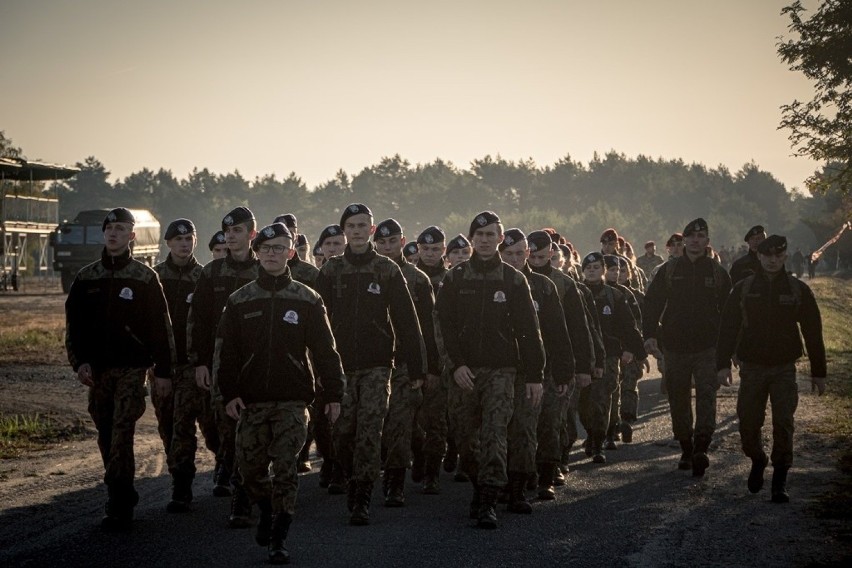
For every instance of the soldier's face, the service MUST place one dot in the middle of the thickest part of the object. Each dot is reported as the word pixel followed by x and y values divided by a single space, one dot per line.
pixel 651 250
pixel 219 251
pixel 557 261
pixel 755 240
pixel 358 229
pixel 675 249
pixel 391 246
pixel 117 237
pixel 772 263
pixel 413 258
pixel 274 262
pixel 333 246
pixel 593 272
pixel 182 246
pixel 612 274
pixel 238 238
pixel 539 258
pixel 431 254
pixel 695 243
pixel 485 240
pixel 457 256
pixel 608 247
pixel 516 255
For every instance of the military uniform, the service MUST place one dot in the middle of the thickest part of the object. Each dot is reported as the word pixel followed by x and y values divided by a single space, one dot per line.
pixel 744 266
pixel 117 321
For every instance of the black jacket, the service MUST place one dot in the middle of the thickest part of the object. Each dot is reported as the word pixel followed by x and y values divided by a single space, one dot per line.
pixel 487 318
pixel 178 286
pixel 559 354
pixel 435 273
pixel 774 314
pixel 744 266
pixel 116 316
pixel 262 344
pixel 303 272
pixel 689 297
pixel 370 308
pixel 618 327
pixel 420 288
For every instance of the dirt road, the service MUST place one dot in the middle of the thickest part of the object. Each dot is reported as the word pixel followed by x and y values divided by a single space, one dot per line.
pixel 635 511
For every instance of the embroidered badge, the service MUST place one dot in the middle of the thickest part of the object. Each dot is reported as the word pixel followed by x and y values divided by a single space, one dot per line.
pixel 533 248
pixel 291 317
pixel 126 294
pixel 182 229
pixel 499 296
pixel 220 238
pixel 508 240
pixel 607 311
pixel 482 221
pixel 269 232
pixel 111 217
pixel 353 209
pixel 428 239
pixel 228 220
pixel 374 288
pixel 384 231
pixel 332 231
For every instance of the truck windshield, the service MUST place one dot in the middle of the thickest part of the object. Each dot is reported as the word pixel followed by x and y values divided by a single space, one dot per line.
pixel 72 235
pixel 94 235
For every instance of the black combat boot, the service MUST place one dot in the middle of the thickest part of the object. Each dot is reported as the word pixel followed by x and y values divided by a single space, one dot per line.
pixel 545 481
pixel 474 502
pixel 610 438
pixel 395 496
pixel 337 484
pixel 597 449
pixel 351 494
pixel 118 511
pixel 558 478
pixel 361 512
pixel 685 461
pixel 278 553
pixel 304 463
pixel 325 473
pixel 487 515
pixel 432 475
pixel 779 485
pixel 240 517
pixel 566 457
pixel 418 462
pixel 221 481
pixel 588 445
pixel 700 461
pixel 755 476
pixel 626 432
pixel 517 500
pixel 264 523
pixel 181 494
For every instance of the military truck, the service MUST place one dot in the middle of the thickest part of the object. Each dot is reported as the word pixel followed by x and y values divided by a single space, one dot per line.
pixel 80 242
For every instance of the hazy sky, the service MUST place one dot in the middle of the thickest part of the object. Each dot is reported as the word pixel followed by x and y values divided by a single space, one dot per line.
pixel 315 86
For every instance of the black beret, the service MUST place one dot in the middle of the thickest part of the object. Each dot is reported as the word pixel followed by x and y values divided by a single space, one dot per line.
pixel 675 238
pixel 387 228
pixel 756 230
pixel 179 227
pixel 288 219
pixel 118 215
pixel 458 242
pixel 270 232
pixel 609 235
pixel 301 240
pixel 773 244
pixel 539 240
pixel 592 257
pixel 512 237
pixel 431 235
pixel 482 220
pixel 330 231
pixel 354 209
pixel 217 239
pixel 696 225
pixel 409 249
pixel 610 260
pixel 237 216
pixel 650 244
pixel 565 250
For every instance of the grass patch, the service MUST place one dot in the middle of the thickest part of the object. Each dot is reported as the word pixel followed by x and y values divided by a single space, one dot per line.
pixel 19 433
pixel 33 344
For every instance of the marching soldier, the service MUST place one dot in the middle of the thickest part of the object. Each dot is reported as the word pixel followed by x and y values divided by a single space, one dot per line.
pixel 749 263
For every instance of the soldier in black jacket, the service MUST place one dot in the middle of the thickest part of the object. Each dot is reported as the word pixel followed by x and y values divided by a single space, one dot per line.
pixel 375 325
pixel 177 415
pixel 117 327
pixel 430 254
pixel 490 329
pixel 760 330
pixel 268 330
pixel 688 293
pixel 218 280
pixel 217 245
pixel 748 264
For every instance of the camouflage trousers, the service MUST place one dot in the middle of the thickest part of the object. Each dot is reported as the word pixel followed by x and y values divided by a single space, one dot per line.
pixel 551 422
pixel 681 369
pixel 116 402
pixel 432 419
pixel 569 433
pixel 596 399
pixel 522 433
pixel 271 432
pixel 481 418
pixel 227 429
pixel 776 383
pixel 164 410
pixel 399 422
pixel 191 405
pixel 358 431
pixel 615 404
pixel 630 375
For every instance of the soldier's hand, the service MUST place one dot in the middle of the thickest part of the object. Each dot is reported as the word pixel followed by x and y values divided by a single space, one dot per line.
pixel 646 365
pixel 561 390
pixel 724 377
pixel 626 358
pixel 234 407
pixel 735 361
pixel 534 391
pixel 162 386
pixel 818 385
pixel 84 375
pixel 464 377
pixel 202 377
pixel 583 380
pixel 332 412
pixel 598 372
pixel 432 381
pixel 652 348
